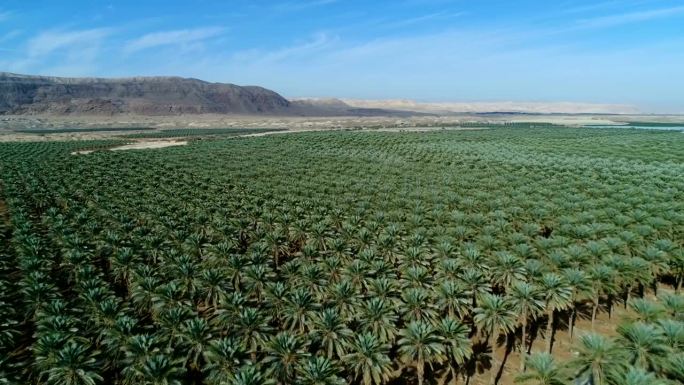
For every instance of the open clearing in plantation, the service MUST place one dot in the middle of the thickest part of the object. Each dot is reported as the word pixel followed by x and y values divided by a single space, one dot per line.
pixel 139 145
pixel 332 257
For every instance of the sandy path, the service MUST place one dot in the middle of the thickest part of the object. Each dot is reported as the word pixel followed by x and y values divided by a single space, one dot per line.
pixel 141 145
pixel 387 129
pixel 283 132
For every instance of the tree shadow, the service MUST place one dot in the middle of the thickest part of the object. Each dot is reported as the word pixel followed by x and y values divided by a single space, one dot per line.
pixel 535 327
pixel 480 361
pixel 510 342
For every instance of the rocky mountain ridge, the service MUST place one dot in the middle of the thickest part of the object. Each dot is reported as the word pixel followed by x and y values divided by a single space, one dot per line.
pixel 154 96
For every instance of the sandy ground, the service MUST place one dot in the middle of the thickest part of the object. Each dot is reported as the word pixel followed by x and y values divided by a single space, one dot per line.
pixel 564 347
pixel 9 123
pixel 417 123
pixel 140 145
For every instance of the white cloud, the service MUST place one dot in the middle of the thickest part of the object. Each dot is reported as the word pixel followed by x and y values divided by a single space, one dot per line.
pixel 632 17
pixel 304 50
pixel 53 51
pixel 49 41
pixel 176 37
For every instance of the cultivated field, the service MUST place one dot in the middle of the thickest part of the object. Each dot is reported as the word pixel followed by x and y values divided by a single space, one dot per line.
pixel 337 257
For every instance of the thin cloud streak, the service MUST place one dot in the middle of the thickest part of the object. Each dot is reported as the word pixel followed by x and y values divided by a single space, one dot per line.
pixel 175 37
pixel 11 35
pixel 49 41
pixel 422 19
pixel 632 17
pixel 300 5
pixel 305 50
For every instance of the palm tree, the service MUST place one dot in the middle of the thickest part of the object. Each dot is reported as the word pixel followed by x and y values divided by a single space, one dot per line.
pixel 494 316
pixel 143 291
pixel 368 360
pixel 672 332
pixel 645 310
pixel 416 305
pixel 597 357
pixel 224 356
pixel 159 369
pixel 602 280
pixel 677 268
pixel 172 321
pixel 196 334
pixel 673 305
pixel 318 371
pixel 557 296
pixel 250 375
pixel 643 344
pixel 283 353
pixel 213 286
pixel 543 370
pixel 420 344
pixel 122 263
pixel 528 302
pixel 506 270
pixel 275 240
pixel 658 264
pixel 253 327
pixel 453 298
pixel 377 316
pixel 476 283
pixel 579 282
pixel 299 309
pixel 114 338
pixel 333 333
pixel 345 297
pixel 673 367
pixel 457 345
pixel 74 365
pixel 636 376
pixel 138 349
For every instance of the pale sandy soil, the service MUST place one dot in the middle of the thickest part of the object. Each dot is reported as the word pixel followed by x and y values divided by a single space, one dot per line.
pixel 12 122
pixel 431 128
pixel 416 123
pixel 140 145
pixel 8 136
pixel 564 347
pixel 147 144
pixel 475 107
pixel 220 121
pixel 279 132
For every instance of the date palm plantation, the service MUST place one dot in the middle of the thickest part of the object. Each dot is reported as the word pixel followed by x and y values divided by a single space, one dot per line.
pixel 345 257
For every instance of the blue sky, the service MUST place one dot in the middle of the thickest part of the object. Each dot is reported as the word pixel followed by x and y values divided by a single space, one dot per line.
pixel 625 51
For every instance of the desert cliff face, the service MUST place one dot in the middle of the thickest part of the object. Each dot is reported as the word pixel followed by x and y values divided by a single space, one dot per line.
pixel 21 94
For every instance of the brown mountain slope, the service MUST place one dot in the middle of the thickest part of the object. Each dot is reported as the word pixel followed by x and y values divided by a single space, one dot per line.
pixel 157 96
pixel 22 94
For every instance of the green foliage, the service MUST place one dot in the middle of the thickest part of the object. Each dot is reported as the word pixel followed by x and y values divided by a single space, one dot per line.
pixel 339 257
pixel 543 370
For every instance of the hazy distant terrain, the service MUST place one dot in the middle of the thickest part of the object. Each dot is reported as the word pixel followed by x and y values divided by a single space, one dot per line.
pixel 154 96
pixel 494 107
pixel 174 96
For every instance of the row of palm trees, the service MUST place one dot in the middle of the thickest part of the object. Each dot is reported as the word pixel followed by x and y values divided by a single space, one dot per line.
pixel 647 350
pixel 325 258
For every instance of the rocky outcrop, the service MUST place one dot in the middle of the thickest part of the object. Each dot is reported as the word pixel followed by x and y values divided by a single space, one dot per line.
pixel 22 94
